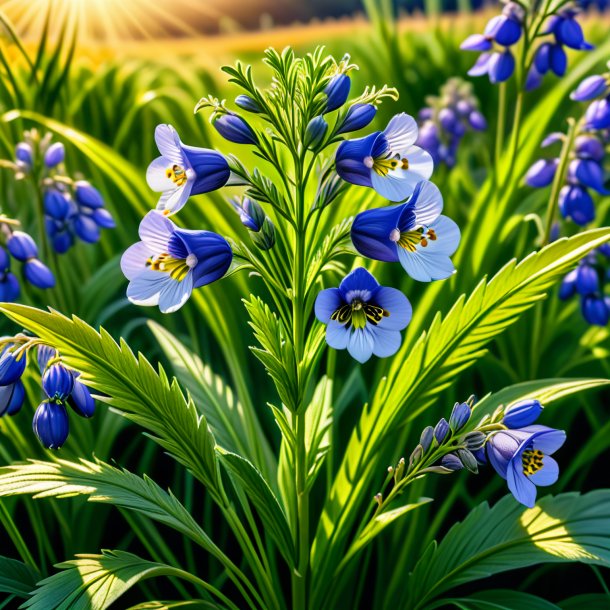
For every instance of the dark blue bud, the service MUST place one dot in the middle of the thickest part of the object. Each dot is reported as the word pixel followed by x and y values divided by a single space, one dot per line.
pixel 441 430
pixel 233 128
pixel 38 274
pixel 315 132
pixel 57 382
pixel 476 42
pixel 11 398
pixel 533 80
pixel 589 147
pixel 459 416
pixel 247 103
pixel 51 424
pixel 22 246
pixel 501 67
pixel 54 155
pixel 588 173
pixel 9 288
pixel 5 261
pixel 569 33
pixel 448 119
pixel 521 414
pixel 88 195
pixel 425 114
pixel 24 153
pixel 337 91
pixel 463 108
pixel 477 121
pixel 357 117
pixel 595 310
pixel 587 280
pixel 542 58
pixel 56 204
pixel 568 285
pixel 81 400
pixel 558 60
pixel 479 456
pixel 541 173
pixel 504 30
pixel 44 354
pixel 452 462
pixel 426 438
pixel 576 203
pixel 250 213
pixel 86 228
pixel 103 218
pixel 62 241
pixel 590 88
pixel 11 366
pixel 598 114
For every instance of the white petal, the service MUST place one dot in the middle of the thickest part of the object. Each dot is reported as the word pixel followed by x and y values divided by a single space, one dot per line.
pixel 133 261
pixel 420 162
pixel 146 288
pixel 169 145
pixel 175 294
pixel 447 237
pixel 425 267
pixel 156 230
pixel 175 200
pixel 393 186
pixel 156 175
pixel 429 204
pixel 401 133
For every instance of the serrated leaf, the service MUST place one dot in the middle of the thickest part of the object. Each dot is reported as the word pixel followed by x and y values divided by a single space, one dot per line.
pixel 507 536
pixel 421 371
pixel 258 490
pixel 16 577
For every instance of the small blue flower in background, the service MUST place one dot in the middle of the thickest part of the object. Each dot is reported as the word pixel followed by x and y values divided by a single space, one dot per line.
pixel 363 317
pixel 165 267
pixel 315 131
pixel 23 248
pixel 447 118
pixel 413 233
pixel 589 281
pixel 11 398
pixel 522 457
pixel 54 155
pixel 522 413
pixel 387 161
pixel 182 171
pixel 9 284
pixel 24 156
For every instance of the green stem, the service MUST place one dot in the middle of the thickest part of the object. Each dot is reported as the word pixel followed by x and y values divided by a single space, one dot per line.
pixel 13 532
pixel 559 179
pixel 501 120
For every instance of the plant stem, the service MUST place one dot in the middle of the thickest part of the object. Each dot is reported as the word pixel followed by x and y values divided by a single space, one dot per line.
pixel 559 179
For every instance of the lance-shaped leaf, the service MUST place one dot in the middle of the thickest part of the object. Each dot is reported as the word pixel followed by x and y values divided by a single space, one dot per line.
pixel 16 577
pixel 498 599
pixel 421 371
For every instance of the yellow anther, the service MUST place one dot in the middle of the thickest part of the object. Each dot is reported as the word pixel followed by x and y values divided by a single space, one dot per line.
pixel 176 174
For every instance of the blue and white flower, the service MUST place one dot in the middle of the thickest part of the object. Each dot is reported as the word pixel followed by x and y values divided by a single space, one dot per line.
pixel 387 161
pixel 165 267
pixel 182 171
pixel 363 317
pixel 413 233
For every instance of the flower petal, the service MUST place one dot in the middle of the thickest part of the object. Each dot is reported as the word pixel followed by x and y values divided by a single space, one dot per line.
pixel 337 335
pixel 359 280
pixel 401 133
pixel 425 266
pixel 385 342
pixel 133 261
pixel 349 160
pixel 548 474
pixel 447 237
pixel 169 145
pixel 520 485
pixel 360 344
pixel 371 233
pixel 155 230
pixel 397 304
pixel 175 294
pixel 327 302
pixel 426 203
pixel 213 252
pixel 174 200
pixel 156 175
pixel 145 289
pixel 396 185
pixel 547 440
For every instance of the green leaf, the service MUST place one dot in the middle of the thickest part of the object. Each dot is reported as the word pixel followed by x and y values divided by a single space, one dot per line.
pixel 234 428
pixel 17 578
pixel 195 604
pixel 567 527
pixel 132 386
pixel 318 423
pixel 94 582
pixel 265 502
pixel 590 601
pixel 499 599
pixel 421 371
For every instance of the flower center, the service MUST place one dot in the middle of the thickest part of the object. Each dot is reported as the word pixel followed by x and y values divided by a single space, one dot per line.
pixel 409 240
pixel 177 175
pixel 176 267
pixel 383 165
pixel 532 461
pixel 358 312
pixel 191 260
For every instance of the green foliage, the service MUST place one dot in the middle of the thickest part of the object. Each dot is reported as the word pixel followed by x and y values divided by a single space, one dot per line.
pixel 499 599
pixel 17 578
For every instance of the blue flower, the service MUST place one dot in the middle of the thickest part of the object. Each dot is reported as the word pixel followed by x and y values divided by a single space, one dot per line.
pixel 87 195
pixel 250 213
pixel 590 88
pixel 9 285
pixel 247 103
pixel 441 430
pixel 596 309
pixel 522 457
pixel 80 399
pixel 51 424
pixel 24 154
pixel 56 204
pixel 541 173
pixel 315 131
pixel 504 29
pixel 413 233
pixel 22 246
pixel 234 129
pixel 38 274
pixel 337 91
pixel 387 161
pixel 459 416
pixel 522 413
pixel 576 203
pixel 11 398
pixel 183 170
pixel 165 267
pixel 54 155
pixel 12 365
pixel 597 115
pixel 357 117
pixel 57 382
pixel 362 316
pixel 568 31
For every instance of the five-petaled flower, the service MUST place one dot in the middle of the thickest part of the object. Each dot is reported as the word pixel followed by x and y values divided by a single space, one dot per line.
pixel 386 160
pixel 169 262
pixel 362 316
pixel 182 171
pixel 522 457
pixel 413 233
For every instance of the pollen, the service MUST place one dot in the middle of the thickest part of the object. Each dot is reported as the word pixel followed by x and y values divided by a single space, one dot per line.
pixel 409 240
pixel 177 175
pixel 164 263
pixel 532 461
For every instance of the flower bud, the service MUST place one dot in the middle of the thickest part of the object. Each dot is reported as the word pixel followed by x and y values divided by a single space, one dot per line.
pixel 416 456
pixel 441 430
pixel 477 121
pixel 38 274
pixel 24 153
pixel 57 382
pixel 522 413
pixel 541 174
pixel 589 147
pixel 587 280
pixel 476 42
pixel 54 155
pixel 337 91
pixel 475 440
pixel 45 353
pixel 11 366
pixel 452 462
pixel 459 416
pixel 103 218
pixel 235 129
pixel 87 195
pixel 315 132
pixel 22 246
pixel 56 204
pixel 250 213
pixel 247 103
pixel 357 117
pixel 598 114
pixel 265 238
pixel 427 436
pixel 590 88
pixel 62 242
pixel 5 261
pixel 51 424
pixel 81 400
pixel 86 228
pixel 11 398
pixel 595 310
pixel 468 460
pixel 9 288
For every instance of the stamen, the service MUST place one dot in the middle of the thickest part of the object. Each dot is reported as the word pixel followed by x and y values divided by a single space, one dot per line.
pixel 410 239
pixel 358 313
pixel 176 267
pixel 176 174
pixel 532 461
pixel 383 165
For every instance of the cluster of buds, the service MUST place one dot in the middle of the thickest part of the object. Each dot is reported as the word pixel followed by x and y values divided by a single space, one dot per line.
pixel 253 217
